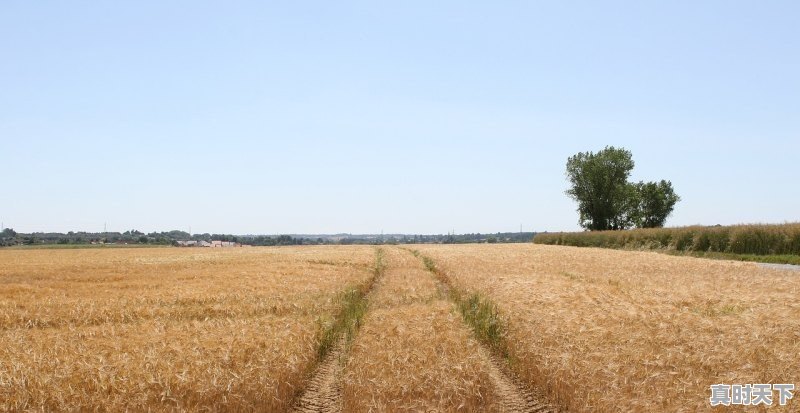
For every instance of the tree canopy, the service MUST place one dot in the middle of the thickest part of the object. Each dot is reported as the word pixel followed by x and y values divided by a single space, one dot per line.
pixel 654 203
pixel 607 201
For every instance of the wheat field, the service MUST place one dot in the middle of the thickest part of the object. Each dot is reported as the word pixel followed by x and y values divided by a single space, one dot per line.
pixel 165 329
pixel 605 330
pixel 413 353
pixel 588 330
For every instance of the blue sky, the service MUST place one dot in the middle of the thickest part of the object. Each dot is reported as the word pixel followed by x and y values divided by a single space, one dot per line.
pixel 415 117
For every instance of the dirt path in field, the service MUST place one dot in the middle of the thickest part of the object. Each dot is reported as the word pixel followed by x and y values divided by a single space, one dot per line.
pixel 789 267
pixel 514 396
pixel 324 391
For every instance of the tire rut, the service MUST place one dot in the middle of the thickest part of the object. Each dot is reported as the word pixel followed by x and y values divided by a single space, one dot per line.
pixel 324 392
pixel 514 396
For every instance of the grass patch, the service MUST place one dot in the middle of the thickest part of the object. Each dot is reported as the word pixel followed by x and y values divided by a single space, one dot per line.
pixel 353 305
pixel 352 308
pixel 429 264
pixel 478 311
pixel 380 265
pixel 769 259
pixel 324 262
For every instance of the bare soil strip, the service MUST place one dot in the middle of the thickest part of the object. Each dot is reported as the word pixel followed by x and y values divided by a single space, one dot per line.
pixel 324 392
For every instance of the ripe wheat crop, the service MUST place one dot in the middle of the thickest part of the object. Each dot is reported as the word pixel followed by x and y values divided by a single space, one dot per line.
pixel 166 329
pixel 606 330
pixel 413 352
pixel 244 329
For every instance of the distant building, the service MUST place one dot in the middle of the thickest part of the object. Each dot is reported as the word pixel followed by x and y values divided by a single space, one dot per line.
pixel 212 244
pixel 222 244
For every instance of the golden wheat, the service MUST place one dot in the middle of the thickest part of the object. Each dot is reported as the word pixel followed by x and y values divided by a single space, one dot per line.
pixel 239 329
pixel 413 352
pixel 605 330
pixel 165 329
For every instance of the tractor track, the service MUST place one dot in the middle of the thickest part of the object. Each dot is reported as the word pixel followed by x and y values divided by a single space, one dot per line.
pixel 514 395
pixel 324 392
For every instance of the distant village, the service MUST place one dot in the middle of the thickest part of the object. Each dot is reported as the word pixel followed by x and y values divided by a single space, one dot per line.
pixel 207 244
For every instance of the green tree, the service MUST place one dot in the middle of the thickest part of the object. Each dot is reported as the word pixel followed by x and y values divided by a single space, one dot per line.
pixel 607 201
pixel 654 203
pixel 600 187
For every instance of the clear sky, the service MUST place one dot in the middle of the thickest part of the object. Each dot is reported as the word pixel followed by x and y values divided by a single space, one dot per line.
pixel 413 116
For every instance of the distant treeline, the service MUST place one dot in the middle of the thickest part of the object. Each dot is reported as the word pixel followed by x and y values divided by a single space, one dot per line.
pixel 9 237
pixel 498 237
pixel 761 239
